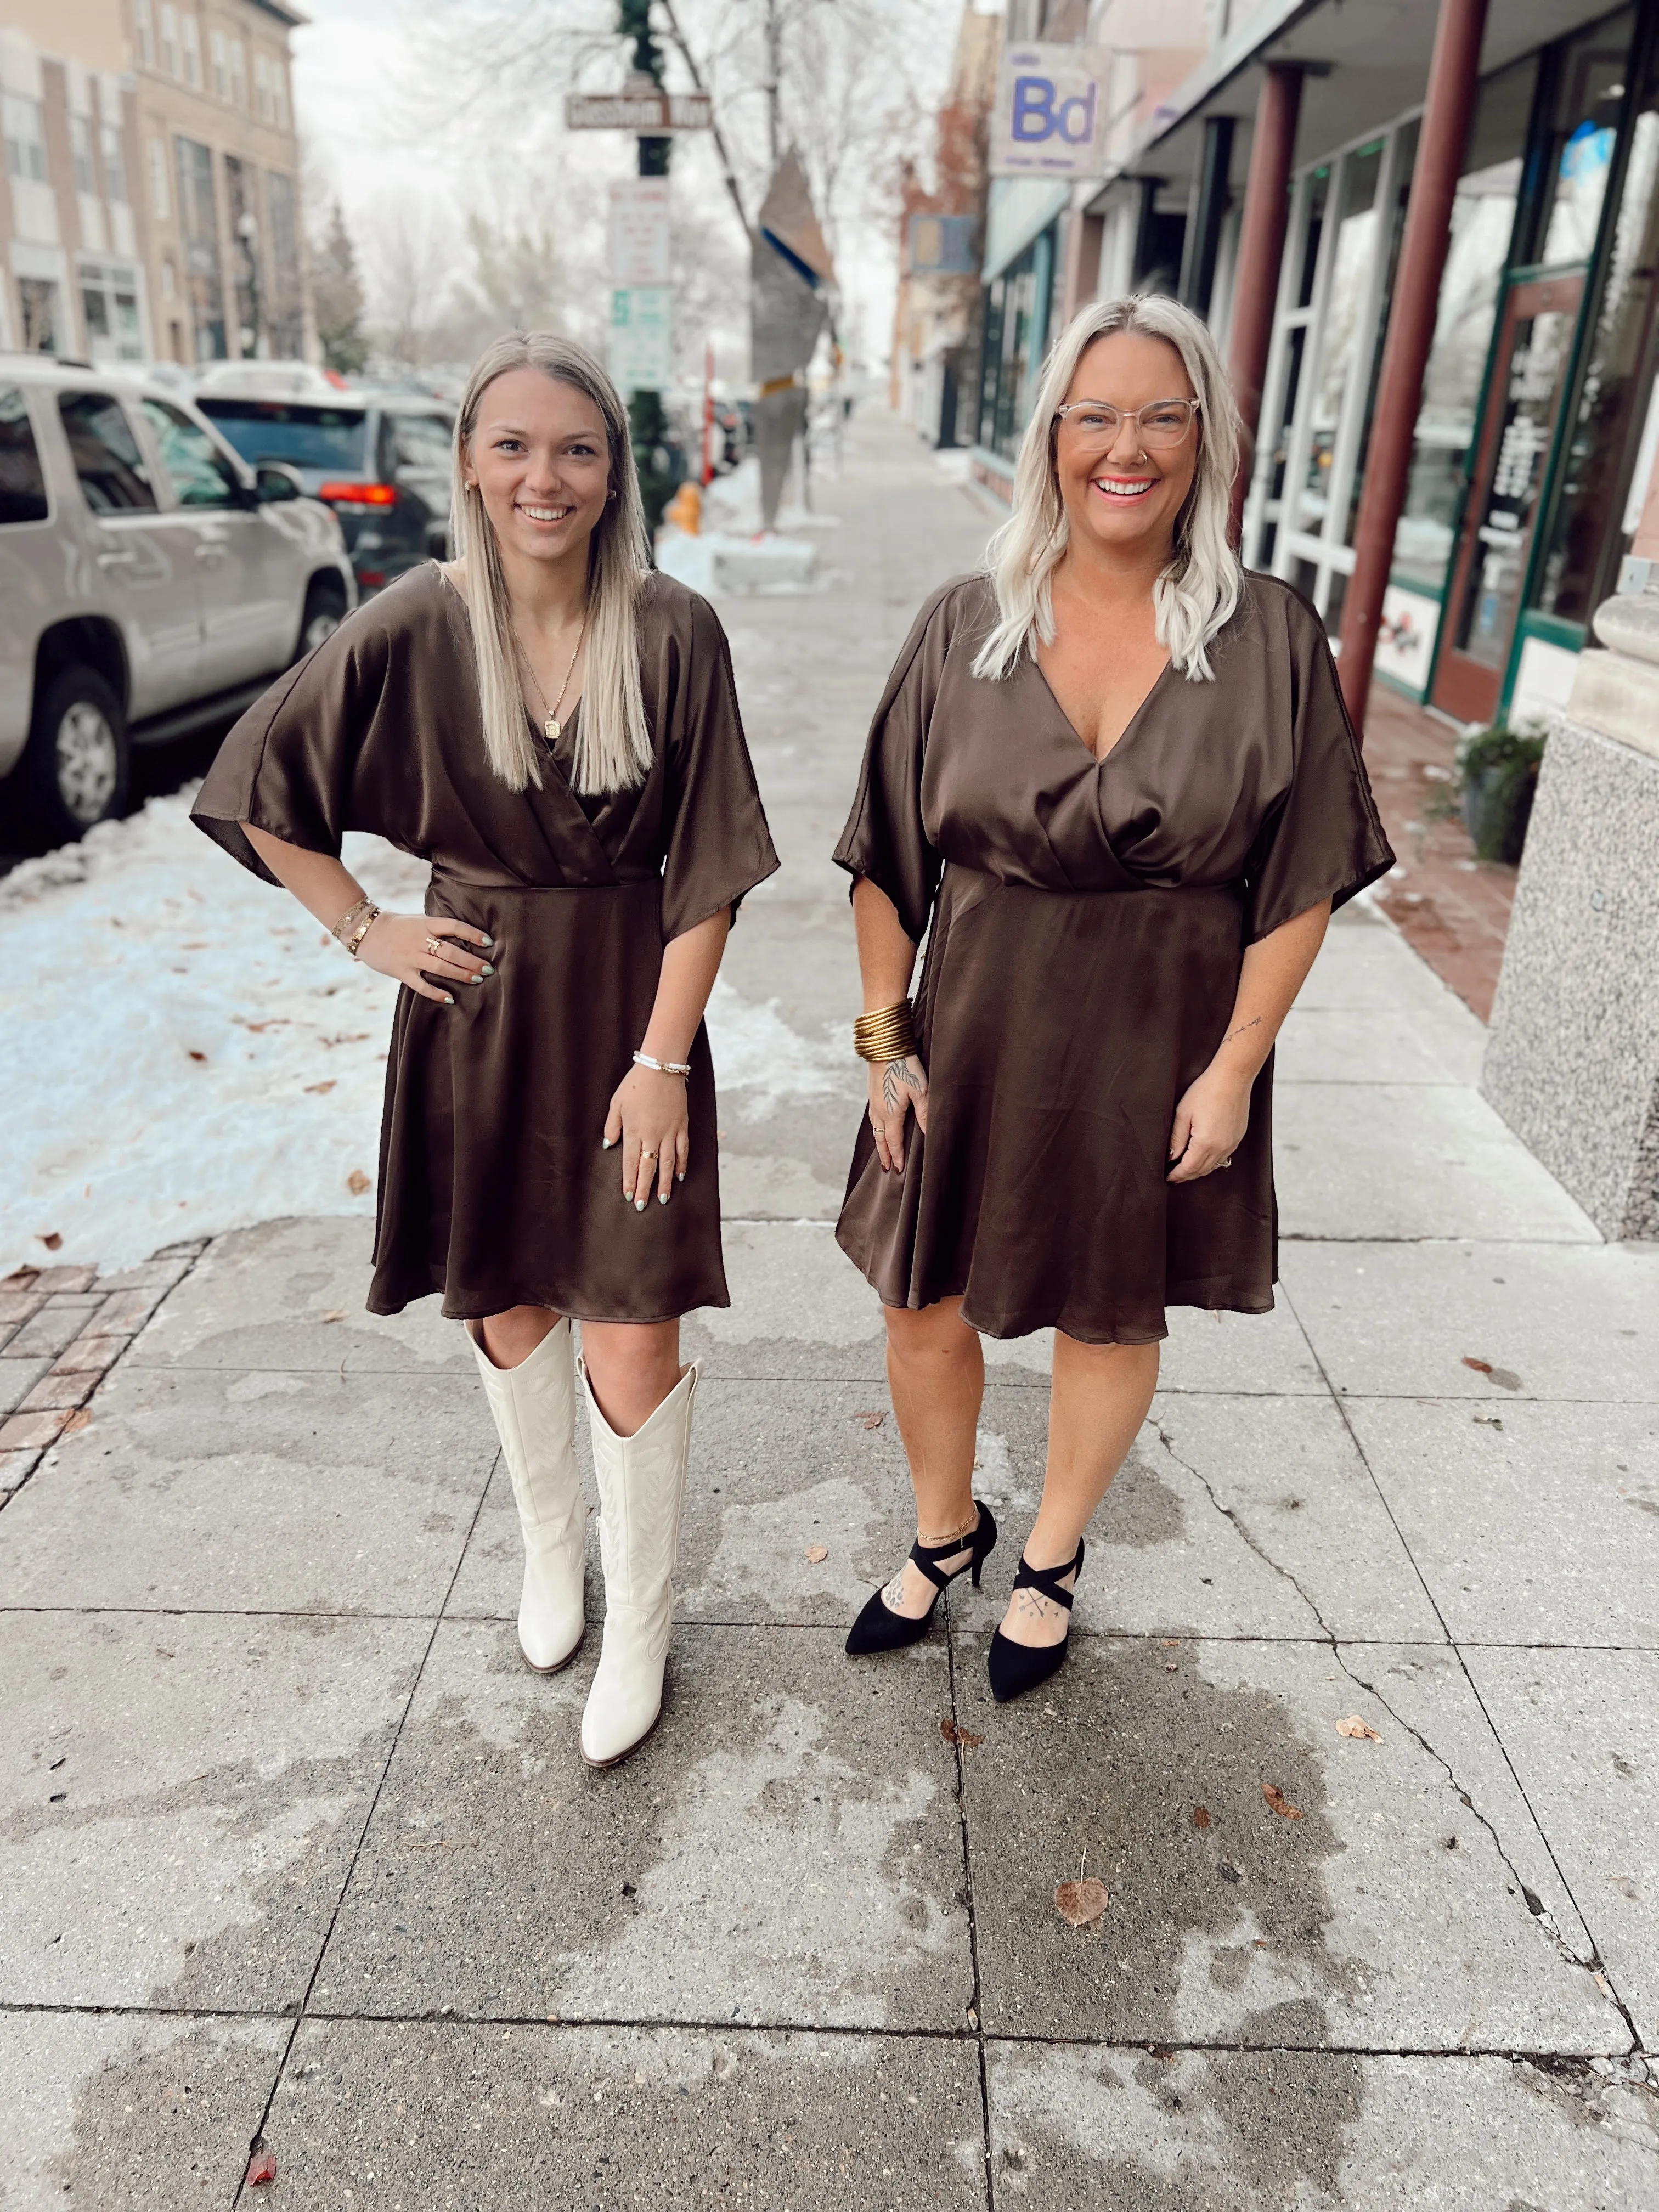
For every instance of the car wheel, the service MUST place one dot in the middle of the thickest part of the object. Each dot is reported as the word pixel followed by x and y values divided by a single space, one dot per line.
pixel 76 764
pixel 325 610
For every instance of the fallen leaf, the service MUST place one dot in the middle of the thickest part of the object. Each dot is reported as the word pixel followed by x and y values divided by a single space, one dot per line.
pixel 869 1420
pixel 319 1088
pixel 1489 1420
pixel 1356 1728
pixel 1480 1366
pixel 1081 1904
pixel 262 2166
pixel 1229 1872
pixel 357 1182
pixel 817 1553
pixel 52 1240
pixel 80 1419
pixel 965 1737
pixel 1279 1803
pixel 196 1055
pixel 1200 1816
pixel 336 1313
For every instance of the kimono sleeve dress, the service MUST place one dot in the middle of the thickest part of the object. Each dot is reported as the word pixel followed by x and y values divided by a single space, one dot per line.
pixel 1086 920
pixel 493 1186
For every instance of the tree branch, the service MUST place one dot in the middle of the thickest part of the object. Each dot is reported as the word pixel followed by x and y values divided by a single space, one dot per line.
pixel 689 59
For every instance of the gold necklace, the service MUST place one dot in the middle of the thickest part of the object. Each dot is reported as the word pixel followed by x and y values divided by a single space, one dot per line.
pixel 552 726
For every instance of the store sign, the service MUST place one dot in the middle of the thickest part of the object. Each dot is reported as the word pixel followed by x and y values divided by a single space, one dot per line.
pixel 640 250
pixel 1051 117
pixel 641 338
pixel 652 113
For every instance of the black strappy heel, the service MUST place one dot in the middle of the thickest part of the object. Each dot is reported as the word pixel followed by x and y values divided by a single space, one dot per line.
pixel 879 1628
pixel 1016 1668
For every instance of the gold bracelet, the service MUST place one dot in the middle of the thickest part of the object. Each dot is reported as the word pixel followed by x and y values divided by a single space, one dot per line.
pixel 888 1034
pixel 343 927
pixel 361 931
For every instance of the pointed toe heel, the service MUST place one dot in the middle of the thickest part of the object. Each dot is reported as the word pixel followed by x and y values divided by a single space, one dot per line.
pixel 1014 1668
pixel 879 1628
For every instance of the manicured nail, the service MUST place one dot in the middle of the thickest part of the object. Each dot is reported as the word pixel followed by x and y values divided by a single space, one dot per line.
pixel 487 969
pixel 606 1143
pixel 638 1206
pixel 474 979
pixel 449 999
pixel 488 941
pixel 679 1175
pixel 662 1198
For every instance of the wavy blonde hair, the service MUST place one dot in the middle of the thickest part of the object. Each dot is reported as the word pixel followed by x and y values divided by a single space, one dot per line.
pixel 613 749
pixel 1199 590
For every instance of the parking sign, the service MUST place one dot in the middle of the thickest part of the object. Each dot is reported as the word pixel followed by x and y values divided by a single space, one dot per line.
pixel 1051 118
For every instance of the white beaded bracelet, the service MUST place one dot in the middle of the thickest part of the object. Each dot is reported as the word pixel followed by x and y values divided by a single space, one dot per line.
pixel 662 1066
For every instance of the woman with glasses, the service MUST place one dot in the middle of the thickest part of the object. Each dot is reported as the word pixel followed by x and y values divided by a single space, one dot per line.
pixel 1112 781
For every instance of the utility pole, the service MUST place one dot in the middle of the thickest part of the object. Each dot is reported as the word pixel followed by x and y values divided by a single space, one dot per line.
pixel 648 418
pixel 773 70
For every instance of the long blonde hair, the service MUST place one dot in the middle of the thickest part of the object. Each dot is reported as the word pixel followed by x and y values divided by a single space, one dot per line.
pixel 1199 590
pixel 612 742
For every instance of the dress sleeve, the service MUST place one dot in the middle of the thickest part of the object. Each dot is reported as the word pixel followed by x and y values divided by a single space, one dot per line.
pixel 885 838
pixel 294 764
pixel 718 845
pixel 1324 838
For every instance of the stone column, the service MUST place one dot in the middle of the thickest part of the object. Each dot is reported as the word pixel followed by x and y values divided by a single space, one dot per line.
pixel 1572 1060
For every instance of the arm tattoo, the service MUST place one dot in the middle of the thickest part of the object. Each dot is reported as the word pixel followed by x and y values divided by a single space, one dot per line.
pixel 1255 1023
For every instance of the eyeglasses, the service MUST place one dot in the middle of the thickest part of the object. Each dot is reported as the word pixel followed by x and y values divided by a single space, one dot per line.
pixel 1094 424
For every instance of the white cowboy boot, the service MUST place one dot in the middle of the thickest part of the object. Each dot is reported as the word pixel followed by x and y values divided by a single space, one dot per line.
pixel 641 1488
pixel 534 1405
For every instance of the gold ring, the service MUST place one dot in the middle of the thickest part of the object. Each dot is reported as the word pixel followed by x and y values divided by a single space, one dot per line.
pixel 1228 1161
pixel 432 945
pixel 644 1155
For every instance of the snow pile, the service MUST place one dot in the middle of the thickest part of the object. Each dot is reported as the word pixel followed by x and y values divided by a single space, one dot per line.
pixel 187 1052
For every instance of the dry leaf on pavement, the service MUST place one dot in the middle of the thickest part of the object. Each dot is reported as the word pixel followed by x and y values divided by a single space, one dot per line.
pixel 1480 1366
pixel 319 1088
pixel 80 1419
pixel 262 2166
pixel 965 1737
pixel 1279 1803
pixel 817 1553
pixel 52 1240
pixel 869 1420
pixel 1081 1904
pixel 338 1313
pixel 1357 1728
pixel 357 1182
pixel 1200 1816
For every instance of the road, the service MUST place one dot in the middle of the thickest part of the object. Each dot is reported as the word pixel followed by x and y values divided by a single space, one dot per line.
pixel 1356 1732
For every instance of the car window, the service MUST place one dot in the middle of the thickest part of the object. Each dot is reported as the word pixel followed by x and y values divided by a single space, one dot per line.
pixel 201 475
pixel 105 452
pixel 22 483
pixel 330 439
pixel 417 441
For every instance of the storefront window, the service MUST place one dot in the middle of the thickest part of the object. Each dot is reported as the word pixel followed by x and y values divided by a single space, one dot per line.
pixel 1016 332
pixel 1482 226
pixel 1354 244
pixel 1583 137
pixel 1585 543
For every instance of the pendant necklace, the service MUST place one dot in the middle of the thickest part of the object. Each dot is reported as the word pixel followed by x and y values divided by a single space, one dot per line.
pixel 552 726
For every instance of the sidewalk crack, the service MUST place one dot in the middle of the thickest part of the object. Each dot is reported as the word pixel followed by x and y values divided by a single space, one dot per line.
pixel 1542 1918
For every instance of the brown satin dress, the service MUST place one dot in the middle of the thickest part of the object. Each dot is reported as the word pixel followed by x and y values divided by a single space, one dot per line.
pixel 1086 921
pixel 493 1186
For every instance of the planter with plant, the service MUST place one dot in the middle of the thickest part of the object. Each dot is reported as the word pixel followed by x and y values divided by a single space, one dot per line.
pixel 1498 772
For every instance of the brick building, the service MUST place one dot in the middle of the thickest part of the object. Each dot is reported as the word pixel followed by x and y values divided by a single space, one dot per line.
pixel 150 202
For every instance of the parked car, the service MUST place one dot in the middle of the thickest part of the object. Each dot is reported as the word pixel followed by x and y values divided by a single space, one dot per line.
pixel 149 582
pixel 380 462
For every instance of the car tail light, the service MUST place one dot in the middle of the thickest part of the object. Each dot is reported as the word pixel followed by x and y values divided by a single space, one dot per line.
pixel 359 494
pixel 372 577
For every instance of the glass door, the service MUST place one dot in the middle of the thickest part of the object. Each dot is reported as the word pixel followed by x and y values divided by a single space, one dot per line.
pixel 1523 412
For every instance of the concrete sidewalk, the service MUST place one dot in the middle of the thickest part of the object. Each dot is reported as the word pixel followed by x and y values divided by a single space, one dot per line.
pixel 294 1848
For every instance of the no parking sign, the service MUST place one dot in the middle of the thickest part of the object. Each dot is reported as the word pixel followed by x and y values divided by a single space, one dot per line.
pixel 1051 118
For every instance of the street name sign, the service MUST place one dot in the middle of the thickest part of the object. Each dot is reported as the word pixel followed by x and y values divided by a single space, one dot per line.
pixel 653 114
pixel 1051 117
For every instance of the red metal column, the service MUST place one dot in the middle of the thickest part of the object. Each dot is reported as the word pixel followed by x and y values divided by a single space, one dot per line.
pixel 1261 245
pixel 1453 75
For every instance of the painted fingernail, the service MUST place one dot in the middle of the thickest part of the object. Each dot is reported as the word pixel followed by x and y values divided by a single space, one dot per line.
pixel 488 941
pixel 638 1206
pixel 487 969
pixel 606 1143
pixel 474 979
pixel 679 1175
pixel 449 999
pixel 662 1198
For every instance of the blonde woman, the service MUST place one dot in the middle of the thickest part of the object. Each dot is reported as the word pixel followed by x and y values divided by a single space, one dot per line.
pixel 1112 781
pixel 554 727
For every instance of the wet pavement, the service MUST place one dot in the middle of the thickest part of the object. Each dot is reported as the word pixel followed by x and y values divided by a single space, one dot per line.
pixel 296 1854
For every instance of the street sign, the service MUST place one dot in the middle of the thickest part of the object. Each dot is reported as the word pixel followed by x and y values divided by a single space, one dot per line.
pixel 1050 119
pixel 642 337
pixel 653 114
pixel 944 246
pixel 640 250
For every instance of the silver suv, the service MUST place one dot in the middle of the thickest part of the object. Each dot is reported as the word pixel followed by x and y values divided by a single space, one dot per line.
pixel 150 582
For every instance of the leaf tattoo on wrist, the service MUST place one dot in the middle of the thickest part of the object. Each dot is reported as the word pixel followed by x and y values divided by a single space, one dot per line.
pixel 898 1075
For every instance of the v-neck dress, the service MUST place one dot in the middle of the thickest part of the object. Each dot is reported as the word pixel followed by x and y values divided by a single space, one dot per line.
pixel 1086 920
pixel 493 1186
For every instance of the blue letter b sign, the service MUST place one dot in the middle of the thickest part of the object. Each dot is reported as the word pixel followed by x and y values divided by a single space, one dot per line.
pixel 1039 116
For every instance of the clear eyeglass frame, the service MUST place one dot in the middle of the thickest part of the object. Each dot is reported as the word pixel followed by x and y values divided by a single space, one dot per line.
pixel 1155 435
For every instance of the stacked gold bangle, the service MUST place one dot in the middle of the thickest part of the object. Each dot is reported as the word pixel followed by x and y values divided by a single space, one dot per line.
pixel 889 1034
pixel 355 923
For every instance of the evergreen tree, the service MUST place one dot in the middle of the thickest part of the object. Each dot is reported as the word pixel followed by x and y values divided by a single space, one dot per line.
pixel 337 293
